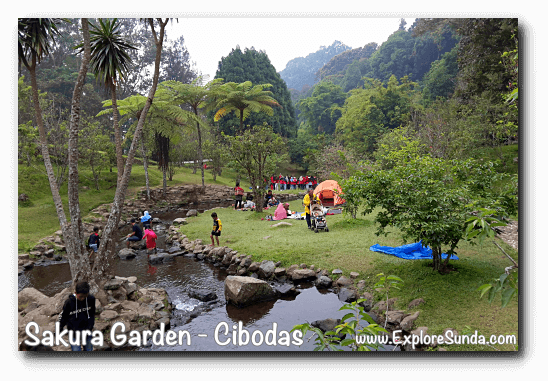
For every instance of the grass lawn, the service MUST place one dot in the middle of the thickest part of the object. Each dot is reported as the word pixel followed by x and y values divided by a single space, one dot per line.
pixel 451 300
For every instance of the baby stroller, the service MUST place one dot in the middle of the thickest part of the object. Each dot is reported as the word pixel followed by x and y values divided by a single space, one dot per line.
pixel 317 218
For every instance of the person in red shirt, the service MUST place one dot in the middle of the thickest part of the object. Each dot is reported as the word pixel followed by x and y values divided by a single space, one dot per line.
pixel 151 237
pixel 238 193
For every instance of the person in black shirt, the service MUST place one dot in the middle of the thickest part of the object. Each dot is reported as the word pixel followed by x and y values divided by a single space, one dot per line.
pixel 94 239
pixel 78 314
pixel 137 234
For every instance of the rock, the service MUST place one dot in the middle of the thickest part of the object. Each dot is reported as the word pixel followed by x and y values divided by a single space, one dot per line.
pixel 203 295
pixel 165 321
pixel 266 269
pixel 360 285
pixel 28 265
pixel 327 325
pixel 394 317
pixel 28 295
pixel 336 272
pixel 113 284
pixel 279 271
pixel 129 305
pixel 373 316
pixel 24 257
pixel 302 265
pixel 414 303
pixel 108 315
pixel 407 322
pixel 130 287
pixel 23 197
pixel 244 291
pixel 418 331
pixel 281 224
pixel 450 333
pixel 114 306
pixel 347 295
pixel 286 290
pixel 254 266
pixel 126 253
pixel 440 349
pixel 303 274
pixel 180 221
pixel 354 275
pixel 157 305
pixel 145 311
pixel 323 282
pixel 278 264
pixel 192 213
pixel 132 279
pixel 57 257
pixel 344 281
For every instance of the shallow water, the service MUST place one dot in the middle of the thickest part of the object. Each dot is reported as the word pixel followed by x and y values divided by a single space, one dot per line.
pixel 183 274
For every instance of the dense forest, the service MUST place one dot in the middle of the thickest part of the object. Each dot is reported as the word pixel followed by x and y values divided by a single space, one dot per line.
pixel 441 83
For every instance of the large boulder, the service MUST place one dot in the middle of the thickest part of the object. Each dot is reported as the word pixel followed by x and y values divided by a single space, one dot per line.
pixel 28 295
pixel 407 322
pixel 243 291
pixel 347 295
pixel 344 281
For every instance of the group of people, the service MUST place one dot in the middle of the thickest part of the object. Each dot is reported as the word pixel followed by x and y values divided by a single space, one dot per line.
pixel 136 235
pixel 282 182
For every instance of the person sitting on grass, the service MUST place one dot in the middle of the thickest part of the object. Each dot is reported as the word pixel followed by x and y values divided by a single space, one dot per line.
pixel 217 227
pixel 281 212
pixel 137 234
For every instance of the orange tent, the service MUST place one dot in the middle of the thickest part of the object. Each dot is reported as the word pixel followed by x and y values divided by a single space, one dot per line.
pixel 330 190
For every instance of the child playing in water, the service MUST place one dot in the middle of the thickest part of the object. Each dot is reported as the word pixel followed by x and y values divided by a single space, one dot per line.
pixel 151 237
pixel 217 227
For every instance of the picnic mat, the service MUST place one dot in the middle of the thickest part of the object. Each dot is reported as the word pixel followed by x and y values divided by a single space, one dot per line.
pixel 410 251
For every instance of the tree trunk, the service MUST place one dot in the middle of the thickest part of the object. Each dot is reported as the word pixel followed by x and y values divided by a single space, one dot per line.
pixel 436 254
pixel 77 255
pixel 200 153
pixel 164 182
pixel 106 251
pixel 145 164
pixel 117 135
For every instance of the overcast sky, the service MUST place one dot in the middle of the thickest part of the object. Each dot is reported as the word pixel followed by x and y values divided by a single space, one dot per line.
pixel 283 39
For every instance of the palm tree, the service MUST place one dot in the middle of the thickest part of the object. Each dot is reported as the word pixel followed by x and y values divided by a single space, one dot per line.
pixel 195 95
pixel 106 251
pixel 35 37
pixel 244 99
pixel 110 63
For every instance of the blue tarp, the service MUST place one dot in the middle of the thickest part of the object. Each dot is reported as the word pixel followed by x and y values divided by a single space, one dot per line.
pixel 411 251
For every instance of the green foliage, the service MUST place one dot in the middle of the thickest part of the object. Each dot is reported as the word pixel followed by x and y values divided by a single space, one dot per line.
pixel 323 108
pixel 482 226
pixel 439 81
pixel 243 99
pixel 94 150
pixel 254 66
pixel 427 199
pixel 398 147
pixel 351 327
pixel 110 60
pixel 370 112
pixel 257 153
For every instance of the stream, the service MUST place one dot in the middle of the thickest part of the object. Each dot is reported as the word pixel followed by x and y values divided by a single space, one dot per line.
pixel 181 275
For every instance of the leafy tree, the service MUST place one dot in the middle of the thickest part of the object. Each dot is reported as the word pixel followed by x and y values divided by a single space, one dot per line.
pixel 428 200
pixel 195 95
pixel 440 80
pixel 257 152
pixel 110 63
pixel 243 99
pixel 341 61
pixel 369 113
pixel 255 66
pixel 94 150
pixel 323 108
